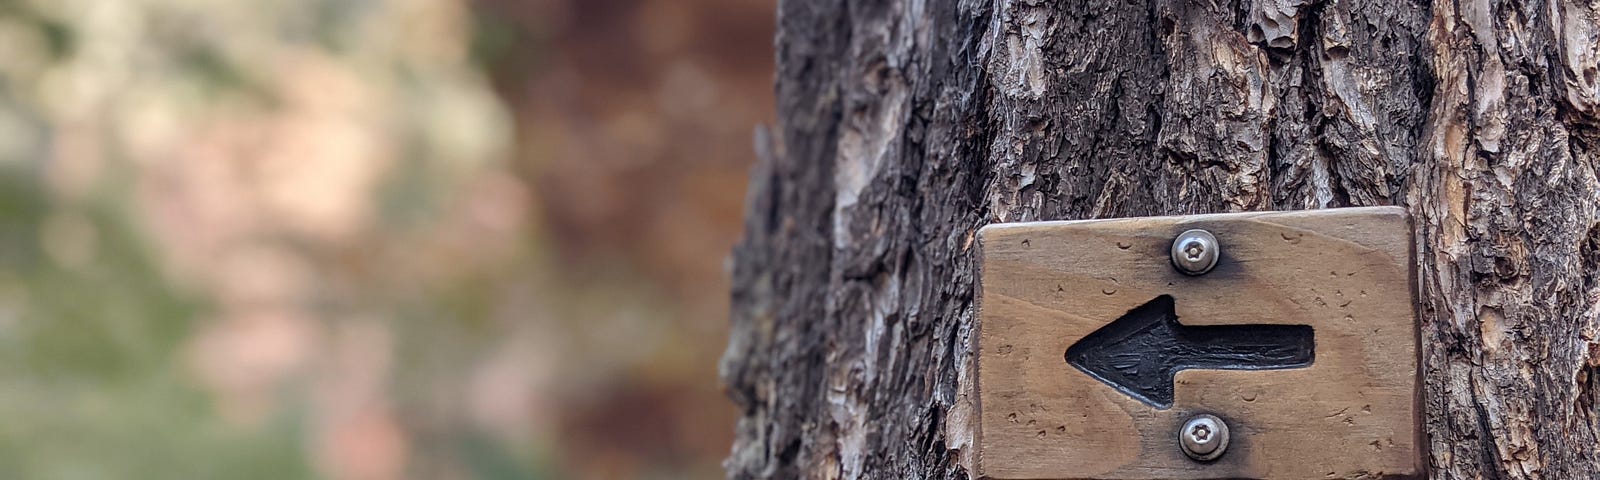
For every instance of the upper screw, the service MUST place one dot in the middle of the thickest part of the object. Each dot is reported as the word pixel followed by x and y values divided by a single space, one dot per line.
pixel 1194 252
pixel 1203 438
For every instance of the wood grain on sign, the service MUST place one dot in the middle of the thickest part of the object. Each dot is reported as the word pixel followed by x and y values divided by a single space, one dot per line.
pixel 1346 273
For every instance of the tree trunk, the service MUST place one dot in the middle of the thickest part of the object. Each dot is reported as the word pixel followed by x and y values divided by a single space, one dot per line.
pixel 906 125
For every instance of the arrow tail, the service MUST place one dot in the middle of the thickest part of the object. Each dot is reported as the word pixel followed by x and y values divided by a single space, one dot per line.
pixel 1246 347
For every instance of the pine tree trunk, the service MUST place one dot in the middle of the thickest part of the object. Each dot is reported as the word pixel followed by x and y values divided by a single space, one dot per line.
pixel 905 125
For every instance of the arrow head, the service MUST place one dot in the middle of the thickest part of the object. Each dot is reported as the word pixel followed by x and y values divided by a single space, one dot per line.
pixel 1124 353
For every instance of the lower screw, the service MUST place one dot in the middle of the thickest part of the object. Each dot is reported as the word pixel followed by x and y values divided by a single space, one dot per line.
pixel 1203 438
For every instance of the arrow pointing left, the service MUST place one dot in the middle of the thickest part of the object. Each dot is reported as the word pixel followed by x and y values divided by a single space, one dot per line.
pixel 1141 352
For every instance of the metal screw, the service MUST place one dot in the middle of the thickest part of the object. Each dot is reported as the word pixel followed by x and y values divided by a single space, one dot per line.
pixel 1203 438
pixel 1194 252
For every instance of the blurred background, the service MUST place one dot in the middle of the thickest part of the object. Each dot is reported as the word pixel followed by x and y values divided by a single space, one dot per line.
pixel 371 239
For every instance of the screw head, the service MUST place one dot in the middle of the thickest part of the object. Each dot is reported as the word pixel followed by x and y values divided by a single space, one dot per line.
pixel 1195 251
pixel 1203 438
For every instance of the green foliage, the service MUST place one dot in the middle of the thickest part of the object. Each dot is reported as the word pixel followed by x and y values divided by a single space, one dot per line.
pixel 89 363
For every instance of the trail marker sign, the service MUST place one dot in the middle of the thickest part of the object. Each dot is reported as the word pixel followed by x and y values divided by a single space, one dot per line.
pixel 1285 348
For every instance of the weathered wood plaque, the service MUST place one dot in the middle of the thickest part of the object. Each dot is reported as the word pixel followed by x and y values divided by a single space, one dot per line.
pixel 1094 350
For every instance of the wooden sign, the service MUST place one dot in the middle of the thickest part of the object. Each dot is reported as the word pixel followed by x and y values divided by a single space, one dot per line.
pixel 1286 348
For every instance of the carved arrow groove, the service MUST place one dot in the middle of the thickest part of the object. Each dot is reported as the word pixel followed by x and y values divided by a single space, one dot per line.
pixel 1141 352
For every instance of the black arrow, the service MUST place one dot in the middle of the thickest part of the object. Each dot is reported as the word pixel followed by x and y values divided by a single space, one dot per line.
pixel 1141 353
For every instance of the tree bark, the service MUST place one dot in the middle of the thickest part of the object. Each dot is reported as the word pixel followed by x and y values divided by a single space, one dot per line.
pixel 906 125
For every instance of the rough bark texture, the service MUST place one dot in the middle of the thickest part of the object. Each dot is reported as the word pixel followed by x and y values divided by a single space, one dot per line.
pixel 905 125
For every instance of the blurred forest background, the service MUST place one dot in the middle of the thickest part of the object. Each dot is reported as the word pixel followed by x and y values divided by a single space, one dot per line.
pixel 371 239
